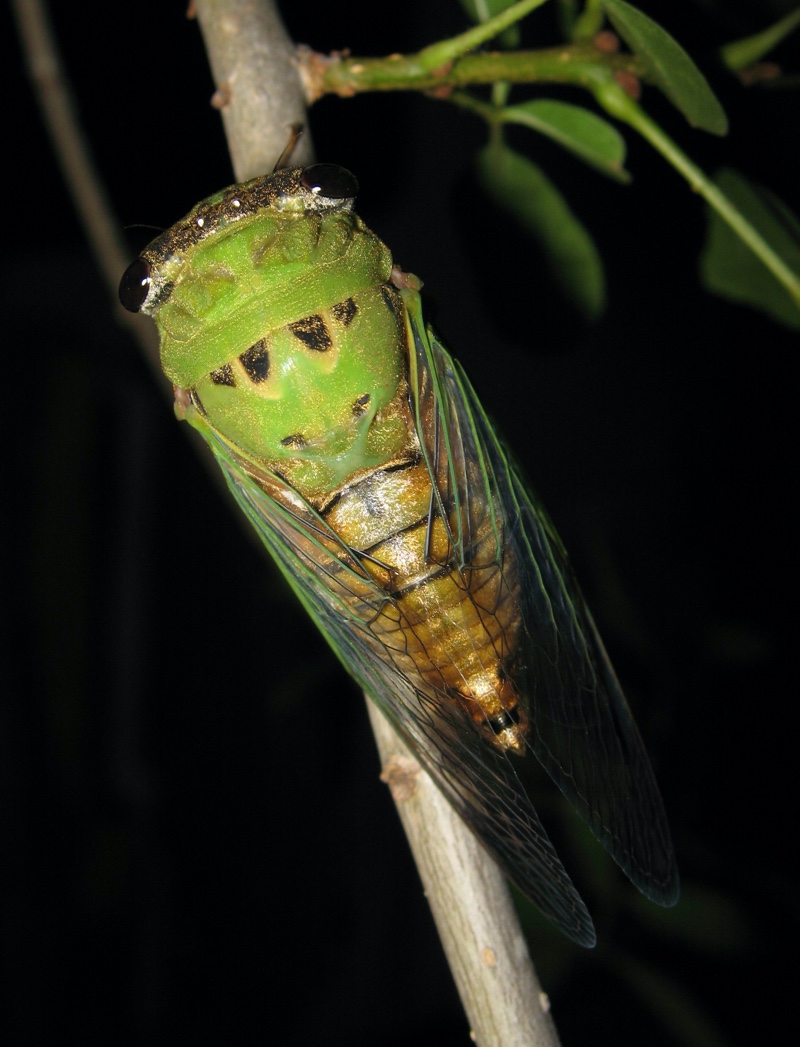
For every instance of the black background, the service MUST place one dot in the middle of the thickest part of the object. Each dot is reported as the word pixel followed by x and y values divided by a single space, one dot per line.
pixel 195 839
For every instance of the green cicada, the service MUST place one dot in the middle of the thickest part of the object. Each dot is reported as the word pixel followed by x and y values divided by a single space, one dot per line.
pixel 358 450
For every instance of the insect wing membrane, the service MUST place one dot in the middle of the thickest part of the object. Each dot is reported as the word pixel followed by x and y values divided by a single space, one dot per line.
pixel 581 728
pixel 480 782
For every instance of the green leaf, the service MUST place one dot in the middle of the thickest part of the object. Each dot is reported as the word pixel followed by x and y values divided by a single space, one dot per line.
pixel 577 129
pixel 523 191
pixel 739 54
pixel 730 269
pixel 669 66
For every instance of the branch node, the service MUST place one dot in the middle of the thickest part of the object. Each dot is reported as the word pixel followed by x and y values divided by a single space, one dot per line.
pixel 400 774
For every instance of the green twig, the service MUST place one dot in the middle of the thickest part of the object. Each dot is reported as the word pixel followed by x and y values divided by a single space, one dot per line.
pixel 582 65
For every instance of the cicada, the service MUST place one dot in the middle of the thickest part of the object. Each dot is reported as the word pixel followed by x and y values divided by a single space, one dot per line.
pixel 357 448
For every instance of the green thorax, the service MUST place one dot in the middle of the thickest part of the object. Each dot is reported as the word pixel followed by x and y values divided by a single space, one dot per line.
pixel 249 260
pixel 276 313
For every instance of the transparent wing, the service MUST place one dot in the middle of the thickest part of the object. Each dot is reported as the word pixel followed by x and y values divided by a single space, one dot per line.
pixel 581 729
pixel 479 782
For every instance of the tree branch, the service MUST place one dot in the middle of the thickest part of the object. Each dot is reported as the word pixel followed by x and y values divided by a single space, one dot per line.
pixel 261 95
pixel 471 903
pixel 258 86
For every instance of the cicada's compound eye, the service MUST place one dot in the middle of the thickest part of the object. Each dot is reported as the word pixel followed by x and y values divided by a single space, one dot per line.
pixel 331 181
pixel 135 285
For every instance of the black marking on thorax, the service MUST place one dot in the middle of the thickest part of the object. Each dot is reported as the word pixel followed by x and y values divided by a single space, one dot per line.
pixel 313 332
pixel 345 311
pixel 255 361
pixel 223 376
pixel 392 299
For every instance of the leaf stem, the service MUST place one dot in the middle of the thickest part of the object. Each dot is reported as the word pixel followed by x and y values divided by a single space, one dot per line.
pixel 621 106
pixel 439 54
pixel 739 54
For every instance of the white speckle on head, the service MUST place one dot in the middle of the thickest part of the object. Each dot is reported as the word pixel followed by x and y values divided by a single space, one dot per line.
pixel 201 222
pixel 236 203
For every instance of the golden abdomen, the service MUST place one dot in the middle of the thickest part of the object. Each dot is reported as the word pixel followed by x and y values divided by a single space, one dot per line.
pixel 454 625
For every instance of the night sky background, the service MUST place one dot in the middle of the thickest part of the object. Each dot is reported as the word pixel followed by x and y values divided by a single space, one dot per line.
pixel 196 845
